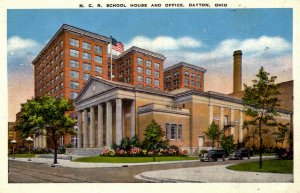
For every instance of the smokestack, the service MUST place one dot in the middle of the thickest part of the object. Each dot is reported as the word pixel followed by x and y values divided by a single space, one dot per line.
pixel 237 71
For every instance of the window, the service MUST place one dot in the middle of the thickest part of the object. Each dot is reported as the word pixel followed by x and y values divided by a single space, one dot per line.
pixel 176 82
pixel 139 69
pixel 198 84
pixel 86 66
pixel 56 68
pixel 156 65
pixel 56 58
pixel 86 76
pixel 74 53
pixel 173 131
pixel 73 95
pixel 56 89
pixel 192 75
pixel 61 64
pixel 148 80
pixel 186 73
pixel 148 63
pixel 86 46
pixel 98 49
pixel 148 72
pixel 86 56
pixel 167 130
pixel 61 85
pixel 74 42
pixel 61 141
pixel 156 82
pixel 193 83
pixel 74 85
pixel 186 82
pixel 98 69
pixel 139 78
pixel 156 74
pixel 74 138
pixel 198 77
pixel 168 77
pixel 98 59
pixel 179 132
pixel 74 64
pixel 56 78
pixel 61 43
pixel 176 74
pixel 61 95
pixel 51 53
pixel 140 61
pixel 74 74
pixel 61 74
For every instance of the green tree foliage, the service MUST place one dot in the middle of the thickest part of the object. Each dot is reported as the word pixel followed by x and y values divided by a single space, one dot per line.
pixel 47 116
pixel 227 143
pixel 213 133
pixel 260 101
pixel 153 137
pixel 281 133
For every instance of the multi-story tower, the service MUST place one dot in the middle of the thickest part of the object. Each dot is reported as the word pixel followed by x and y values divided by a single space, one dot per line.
pixel 184 75
pixel 140 67
pixel 66 62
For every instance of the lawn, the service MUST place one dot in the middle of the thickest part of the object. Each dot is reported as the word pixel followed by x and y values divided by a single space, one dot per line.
pixel 271 166
pixel 25 155
pixel 103 159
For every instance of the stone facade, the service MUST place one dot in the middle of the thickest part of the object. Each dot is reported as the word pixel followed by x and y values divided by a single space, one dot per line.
pixel 118 110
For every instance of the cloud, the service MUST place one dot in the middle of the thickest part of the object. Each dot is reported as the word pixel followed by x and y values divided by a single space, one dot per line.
pixel 164 43
pixel 274 53
pixel 21 52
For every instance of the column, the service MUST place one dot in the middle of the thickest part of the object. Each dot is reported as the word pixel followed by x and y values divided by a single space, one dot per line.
pixel 100 125
pixel 211 113
pixel 241 126
pixel 45 139
pixel 118 121
pixel 222 118
pixel 85 127
pixel 79 125
pixel 34 140
pixel 132 119
pixel 108 124
pixel 232 121
pixel 92 127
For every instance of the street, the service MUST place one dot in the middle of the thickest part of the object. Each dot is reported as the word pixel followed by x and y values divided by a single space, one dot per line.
pixel 25 172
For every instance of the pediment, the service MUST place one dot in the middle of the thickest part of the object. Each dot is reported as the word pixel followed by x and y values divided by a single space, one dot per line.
pixel 93 87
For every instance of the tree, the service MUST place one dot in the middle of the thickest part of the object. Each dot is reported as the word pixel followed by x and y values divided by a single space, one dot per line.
pixel 153 137
pixel 227 143
pixel 213 133
pixel 47 116
pixel 281 133
pixel 260 101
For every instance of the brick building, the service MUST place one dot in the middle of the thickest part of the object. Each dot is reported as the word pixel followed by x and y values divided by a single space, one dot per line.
pixel 184 75
pixel 75 64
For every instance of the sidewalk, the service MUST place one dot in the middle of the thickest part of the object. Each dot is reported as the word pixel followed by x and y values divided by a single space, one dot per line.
pixel 72 164
pixel 214 174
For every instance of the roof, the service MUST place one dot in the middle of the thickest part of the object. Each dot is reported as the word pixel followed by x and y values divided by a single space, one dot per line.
pixel 143 51
pixel 192 66
pixel 73 29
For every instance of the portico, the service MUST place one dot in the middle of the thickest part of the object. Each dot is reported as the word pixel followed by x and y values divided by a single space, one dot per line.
pixel 103 124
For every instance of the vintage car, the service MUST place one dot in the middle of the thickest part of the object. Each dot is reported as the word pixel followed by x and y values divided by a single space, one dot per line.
pixel 240 154
pixel 214 155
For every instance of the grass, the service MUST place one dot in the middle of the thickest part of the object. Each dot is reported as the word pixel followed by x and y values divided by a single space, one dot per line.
pixel 271 166
pixel 266 154
pixel 25 155
pixel 103 159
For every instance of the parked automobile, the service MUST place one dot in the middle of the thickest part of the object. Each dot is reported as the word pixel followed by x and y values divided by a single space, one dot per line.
pixel 240 154
pixel 214 155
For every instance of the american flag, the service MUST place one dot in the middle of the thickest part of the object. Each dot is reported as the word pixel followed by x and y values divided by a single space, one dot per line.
pixel 118 46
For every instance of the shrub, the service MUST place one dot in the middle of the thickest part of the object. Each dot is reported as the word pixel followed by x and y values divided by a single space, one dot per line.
pixel 203 151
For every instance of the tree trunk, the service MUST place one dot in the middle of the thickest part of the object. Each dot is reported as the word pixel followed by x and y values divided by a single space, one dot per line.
pixel 55 153
pixel 213 144
pixel 260 146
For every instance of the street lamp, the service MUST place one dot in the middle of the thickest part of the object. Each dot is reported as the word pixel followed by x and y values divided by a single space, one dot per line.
pixel 29 140
pixel 13 142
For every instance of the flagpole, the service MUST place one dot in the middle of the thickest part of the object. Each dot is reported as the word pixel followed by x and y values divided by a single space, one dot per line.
pixel 111 60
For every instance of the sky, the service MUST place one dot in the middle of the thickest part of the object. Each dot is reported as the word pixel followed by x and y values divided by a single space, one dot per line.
pixel 203 37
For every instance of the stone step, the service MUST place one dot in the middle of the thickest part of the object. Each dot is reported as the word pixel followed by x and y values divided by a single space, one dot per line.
pixel 83 151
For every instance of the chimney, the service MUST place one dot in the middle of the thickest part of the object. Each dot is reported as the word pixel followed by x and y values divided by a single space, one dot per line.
pixel 237 71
